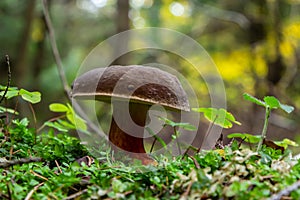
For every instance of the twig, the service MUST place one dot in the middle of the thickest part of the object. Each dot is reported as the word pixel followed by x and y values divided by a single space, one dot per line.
pixel 38 175
pixel 186 193
pixel 285 192
pixel 59 169
pixel 77 194
pixel 61 71
pixel 28 196
pixel 8 191
pixel 35 121
pixel 50 120
pixel 197 165
pixel 55 49
pixel 19 161
pixel 4 196
pixel 8 77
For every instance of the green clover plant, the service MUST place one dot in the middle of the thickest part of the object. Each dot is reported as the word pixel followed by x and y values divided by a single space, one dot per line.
pixel 219 117
pixel 175 126
pixel 31 97
pixel 73 121
pixel 270 103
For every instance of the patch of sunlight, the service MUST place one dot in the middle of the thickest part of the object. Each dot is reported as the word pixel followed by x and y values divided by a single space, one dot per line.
pixel 292 32
pixel 260 66
pixel 138 22
pixel 99 3
pixel 175 15
pixel 232 66
pixel 176 9
pixel 137 3
pixel 286 49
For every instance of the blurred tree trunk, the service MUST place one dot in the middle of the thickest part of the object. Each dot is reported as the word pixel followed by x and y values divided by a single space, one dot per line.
pixel 21 67
pixel 276 67
pixel 122 24
pixel 122 19
pixel 267 22
pixel 38 58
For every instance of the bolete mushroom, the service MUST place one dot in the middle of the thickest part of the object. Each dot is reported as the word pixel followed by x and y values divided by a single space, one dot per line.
pixel 131 89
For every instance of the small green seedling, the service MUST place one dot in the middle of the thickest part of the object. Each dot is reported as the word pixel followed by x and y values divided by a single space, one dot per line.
pixel 74 121
pixel 7 92
pixel 31 97
pixel 220 117
pixel 254 139
pixel 8 110
pixel 175 126
pixel 156 138
pixel 286 142
pixel 270 103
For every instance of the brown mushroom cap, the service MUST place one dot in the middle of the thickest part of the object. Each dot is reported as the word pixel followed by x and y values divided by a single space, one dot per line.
pixel 140 84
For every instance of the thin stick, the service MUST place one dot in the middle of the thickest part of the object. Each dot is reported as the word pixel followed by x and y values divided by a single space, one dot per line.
pixel 38 175
pixel 8 77
pixel 28 196
pixel 35 121
pixel 59 169
pixel 61 71
pixel 50 120
pixel 186 193
pixel 197 165
pixel 75 195
pixel 286 191
pixel 55 49
pixel 19 161
pixel 8 190
pixel 4 196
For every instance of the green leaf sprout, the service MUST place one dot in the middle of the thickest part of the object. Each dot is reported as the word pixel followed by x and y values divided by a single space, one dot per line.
pixel 270 103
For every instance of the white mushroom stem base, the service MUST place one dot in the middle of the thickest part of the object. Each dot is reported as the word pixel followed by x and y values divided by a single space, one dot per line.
pixel 126 137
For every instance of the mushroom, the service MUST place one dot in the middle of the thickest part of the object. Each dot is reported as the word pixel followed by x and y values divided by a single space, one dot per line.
pixel 132 90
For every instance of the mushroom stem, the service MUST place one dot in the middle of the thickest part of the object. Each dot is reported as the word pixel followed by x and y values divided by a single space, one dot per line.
pixel 119 133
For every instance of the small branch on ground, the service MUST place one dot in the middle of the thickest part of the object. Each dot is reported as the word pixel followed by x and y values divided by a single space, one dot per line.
pixel 59 169
pixel 28 196
pixel 286 191
pixel 197 165
pixel 8 163
pixel 38 175
pixel 75 195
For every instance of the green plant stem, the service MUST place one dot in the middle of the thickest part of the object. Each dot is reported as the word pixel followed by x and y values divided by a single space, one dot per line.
pixel 211 124
pixel 152 146
pixel 264 131
pixel 178 145
pixel 35 121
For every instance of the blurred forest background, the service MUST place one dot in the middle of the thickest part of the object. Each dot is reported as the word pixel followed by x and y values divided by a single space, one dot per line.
pixel 255 45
